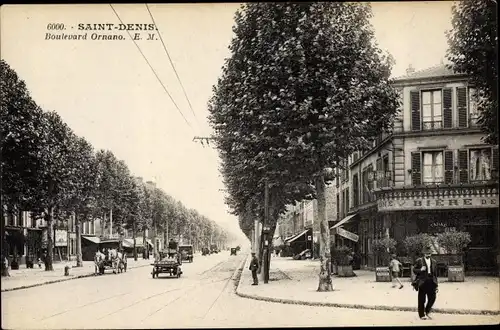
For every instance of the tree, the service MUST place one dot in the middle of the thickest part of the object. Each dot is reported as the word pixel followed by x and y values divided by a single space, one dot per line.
pixel 84 177
pixel 303 89
pixel 473 50
pixel 20 134
pixel 54 184
pixel 136 194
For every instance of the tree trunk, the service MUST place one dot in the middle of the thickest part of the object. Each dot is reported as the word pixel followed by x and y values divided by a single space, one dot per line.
pixel 325 276
pixel 144 243
pixel 165 238
pixel 134 235
pixel 79 261
pixel 103 223
pixel 50 239
pixel 155 250
pixel 111 223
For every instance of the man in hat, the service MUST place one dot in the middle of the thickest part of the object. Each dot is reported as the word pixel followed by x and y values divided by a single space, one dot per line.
pixel 254 266
pixel 425 270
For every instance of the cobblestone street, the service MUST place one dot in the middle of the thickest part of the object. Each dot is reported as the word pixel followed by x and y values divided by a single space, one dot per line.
pixel 202 297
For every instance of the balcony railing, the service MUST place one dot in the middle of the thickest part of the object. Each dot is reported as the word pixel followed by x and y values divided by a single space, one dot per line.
pixel 442 190
pixel 432 125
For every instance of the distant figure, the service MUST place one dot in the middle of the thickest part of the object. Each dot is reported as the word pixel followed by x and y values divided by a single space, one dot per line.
pixel 395 267
pixel 426 283
pixel 254 266
pixel 172 247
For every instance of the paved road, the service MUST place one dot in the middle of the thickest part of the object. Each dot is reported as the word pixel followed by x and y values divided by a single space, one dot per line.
pixel 202 297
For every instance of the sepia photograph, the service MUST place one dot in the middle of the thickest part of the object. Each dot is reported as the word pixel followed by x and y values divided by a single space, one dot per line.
pixel 249 165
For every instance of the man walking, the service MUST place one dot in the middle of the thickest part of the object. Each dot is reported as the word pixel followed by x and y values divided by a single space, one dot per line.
pixel 254 266
pixel 427 283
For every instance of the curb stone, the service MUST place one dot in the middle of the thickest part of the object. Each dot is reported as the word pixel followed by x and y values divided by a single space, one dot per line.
pixel 59 280
pixel 237 274
pixel 360 306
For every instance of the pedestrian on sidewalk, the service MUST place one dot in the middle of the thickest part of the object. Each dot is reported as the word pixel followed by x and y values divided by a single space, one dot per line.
pixel 426 282
pixel 5 267
pixel 254 266
pixel 395 267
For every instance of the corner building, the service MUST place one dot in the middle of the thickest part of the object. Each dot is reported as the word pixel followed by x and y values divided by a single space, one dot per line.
pixel 431 173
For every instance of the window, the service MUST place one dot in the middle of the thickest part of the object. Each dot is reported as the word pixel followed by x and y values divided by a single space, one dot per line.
pixel 432 110
pixel 480 164
pixel 433 167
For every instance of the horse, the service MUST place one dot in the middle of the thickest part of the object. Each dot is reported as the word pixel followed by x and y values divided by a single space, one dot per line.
pixel 98 261
pixel 118 260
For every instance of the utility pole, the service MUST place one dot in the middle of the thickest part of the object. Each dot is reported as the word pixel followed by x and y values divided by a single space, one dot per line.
pixel 203 140
pixel 265 228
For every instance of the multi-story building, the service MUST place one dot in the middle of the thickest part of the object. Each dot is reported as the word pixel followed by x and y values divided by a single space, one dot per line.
pixel 300 223
pixel 432 171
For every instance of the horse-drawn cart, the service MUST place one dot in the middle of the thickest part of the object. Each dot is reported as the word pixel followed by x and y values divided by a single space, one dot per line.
pixel 168 263
pixel 112 260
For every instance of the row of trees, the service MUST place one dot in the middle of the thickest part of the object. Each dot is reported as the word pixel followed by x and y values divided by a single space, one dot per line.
pixel 47 169
pixel 303 89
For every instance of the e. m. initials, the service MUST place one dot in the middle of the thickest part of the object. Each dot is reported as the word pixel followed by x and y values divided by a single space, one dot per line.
pixel 151 36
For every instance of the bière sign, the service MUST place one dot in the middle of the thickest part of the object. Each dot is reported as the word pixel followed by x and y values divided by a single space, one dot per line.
pixel 437 203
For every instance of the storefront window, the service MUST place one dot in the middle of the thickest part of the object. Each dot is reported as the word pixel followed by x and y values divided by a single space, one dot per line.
pixel 480 164
pixel 433 167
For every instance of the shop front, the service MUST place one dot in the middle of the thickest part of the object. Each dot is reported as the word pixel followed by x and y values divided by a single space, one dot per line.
pixel 473 210
pixel 301 242
pixel 15 240
pixel 346 232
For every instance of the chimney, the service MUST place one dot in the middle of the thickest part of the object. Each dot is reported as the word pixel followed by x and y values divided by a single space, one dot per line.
pixel 410 70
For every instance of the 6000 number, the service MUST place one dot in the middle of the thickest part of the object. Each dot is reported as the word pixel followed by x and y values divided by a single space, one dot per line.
pixel 55 26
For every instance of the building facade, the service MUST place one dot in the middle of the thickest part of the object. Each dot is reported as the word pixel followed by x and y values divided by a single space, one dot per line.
pixel 431 173
pixel 300 222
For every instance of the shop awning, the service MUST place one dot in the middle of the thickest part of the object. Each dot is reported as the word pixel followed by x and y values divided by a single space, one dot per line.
pixel 129 242
pixel 93 239
pixel 343 221
pixel 294 238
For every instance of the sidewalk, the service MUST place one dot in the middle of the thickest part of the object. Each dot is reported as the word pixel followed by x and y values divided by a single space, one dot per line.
pixel 24 278
pixel 295 282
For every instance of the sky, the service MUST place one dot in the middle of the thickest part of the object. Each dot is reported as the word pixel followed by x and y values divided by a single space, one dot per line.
pixel 106 92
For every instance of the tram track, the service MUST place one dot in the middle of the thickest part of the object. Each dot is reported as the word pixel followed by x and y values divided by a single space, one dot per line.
pixel 211 283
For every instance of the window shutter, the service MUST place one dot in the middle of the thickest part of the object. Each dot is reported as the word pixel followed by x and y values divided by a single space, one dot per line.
pixel 415 110
pixel 448 166
pixel 462 106
pixel 447 108
pixel 347 204
pixel 494 167
pixel 416 168
pixel 378 169
pixel 463 172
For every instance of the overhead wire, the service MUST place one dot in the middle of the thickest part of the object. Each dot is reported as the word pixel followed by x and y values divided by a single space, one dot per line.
pixel 171 63
pixel 152 69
